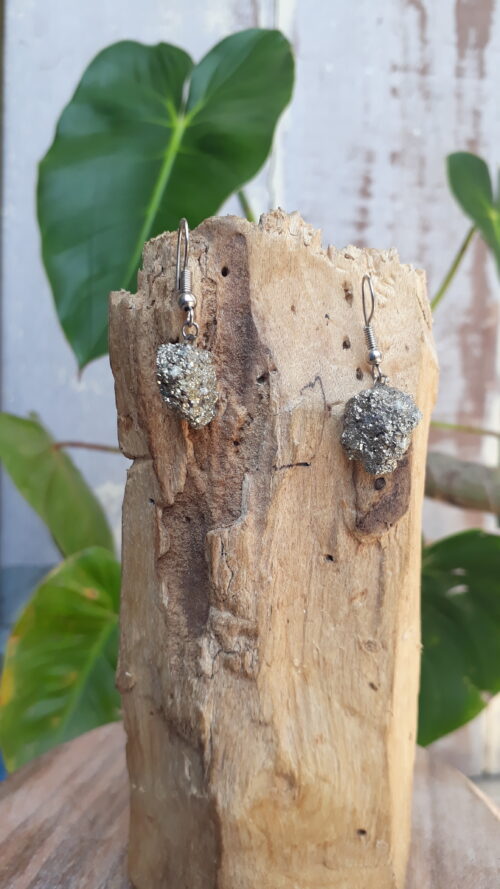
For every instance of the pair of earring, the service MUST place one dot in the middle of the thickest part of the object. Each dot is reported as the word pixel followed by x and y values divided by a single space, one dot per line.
pixel 378 422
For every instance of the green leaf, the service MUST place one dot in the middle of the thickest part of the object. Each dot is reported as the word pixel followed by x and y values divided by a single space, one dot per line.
pixel 470 183
pixel 460 631
pixel 131 156
pixel 52 485
pixel 58 677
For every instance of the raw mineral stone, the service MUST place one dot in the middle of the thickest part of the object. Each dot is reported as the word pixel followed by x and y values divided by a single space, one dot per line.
pixel 378 423
pixel 187 381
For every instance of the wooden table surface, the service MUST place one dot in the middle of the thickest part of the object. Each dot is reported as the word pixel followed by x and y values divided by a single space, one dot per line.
pixel 63 822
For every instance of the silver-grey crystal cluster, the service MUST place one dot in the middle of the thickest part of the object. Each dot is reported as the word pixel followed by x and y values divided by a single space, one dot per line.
pixel 378 423
pixel 187 381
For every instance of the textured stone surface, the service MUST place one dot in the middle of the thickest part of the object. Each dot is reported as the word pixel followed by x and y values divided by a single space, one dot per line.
pixel 378 423
pixel 187 381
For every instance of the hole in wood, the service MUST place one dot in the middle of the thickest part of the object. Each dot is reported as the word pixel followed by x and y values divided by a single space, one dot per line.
pixel 379 484
pixel 348 292
pixel 361 832
pixel 329 557
pixel 263 377
pixel 224 271
pixel 359 373
pixel 346 344
pixel 373 686
pixel 151 501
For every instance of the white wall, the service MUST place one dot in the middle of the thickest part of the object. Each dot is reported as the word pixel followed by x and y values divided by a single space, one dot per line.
pixel 384 91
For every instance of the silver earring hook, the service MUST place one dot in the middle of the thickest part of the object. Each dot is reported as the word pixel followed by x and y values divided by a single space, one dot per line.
pixel 368 317
pixel 187 299
pixel 374 354
pixel 183 230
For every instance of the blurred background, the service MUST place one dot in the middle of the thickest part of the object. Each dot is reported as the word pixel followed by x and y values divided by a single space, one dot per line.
pixel 383 93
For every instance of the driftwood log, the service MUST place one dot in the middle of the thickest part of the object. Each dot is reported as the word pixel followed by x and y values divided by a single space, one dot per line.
pixel 270 614
pixel 64 822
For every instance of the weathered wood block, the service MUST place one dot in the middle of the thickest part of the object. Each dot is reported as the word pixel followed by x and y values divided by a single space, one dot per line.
pixel 270 614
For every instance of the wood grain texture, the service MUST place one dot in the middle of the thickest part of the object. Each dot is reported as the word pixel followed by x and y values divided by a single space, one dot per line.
pixel 64 817
pixel 456 830
pixel 270 612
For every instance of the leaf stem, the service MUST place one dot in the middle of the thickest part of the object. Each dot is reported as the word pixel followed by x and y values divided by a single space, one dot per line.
pixel 460 427
pixel 245 205
pixel 89 446
pixel 450 274
pixel 179 124
pixel 462 483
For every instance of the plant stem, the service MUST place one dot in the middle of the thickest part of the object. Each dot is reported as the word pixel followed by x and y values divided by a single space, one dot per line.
pixel 90 446
pixel 459 427
pixel 450 274
pixel 461 483
pixel 245 205
pixel 179 124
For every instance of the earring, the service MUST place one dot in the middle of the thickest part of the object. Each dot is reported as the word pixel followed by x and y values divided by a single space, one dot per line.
pixel 378 422
pixel 185 373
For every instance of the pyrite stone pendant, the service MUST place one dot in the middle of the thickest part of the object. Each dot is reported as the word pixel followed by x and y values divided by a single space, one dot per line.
pixel 187 381
pixel 378 423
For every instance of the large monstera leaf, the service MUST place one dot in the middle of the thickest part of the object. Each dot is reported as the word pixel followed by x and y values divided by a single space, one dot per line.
pixel 146 139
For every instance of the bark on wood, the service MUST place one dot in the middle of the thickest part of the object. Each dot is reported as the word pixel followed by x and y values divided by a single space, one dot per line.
pixel 64 819
pixel 270 616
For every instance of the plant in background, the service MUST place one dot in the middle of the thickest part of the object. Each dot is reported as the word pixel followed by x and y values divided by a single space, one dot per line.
pixel 470 182
pixel 58 677
pixel 460 631
pixel 149 137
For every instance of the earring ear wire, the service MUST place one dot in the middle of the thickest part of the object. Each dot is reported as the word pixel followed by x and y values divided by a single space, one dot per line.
pixel 187 299
pixel 374 354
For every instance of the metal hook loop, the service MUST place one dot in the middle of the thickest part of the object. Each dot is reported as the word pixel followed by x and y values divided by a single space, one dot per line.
pixel 368 317
pixel 183 229
pixel 374 353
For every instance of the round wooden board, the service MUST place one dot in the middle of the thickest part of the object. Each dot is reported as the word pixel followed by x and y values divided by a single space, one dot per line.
pixel 63 822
